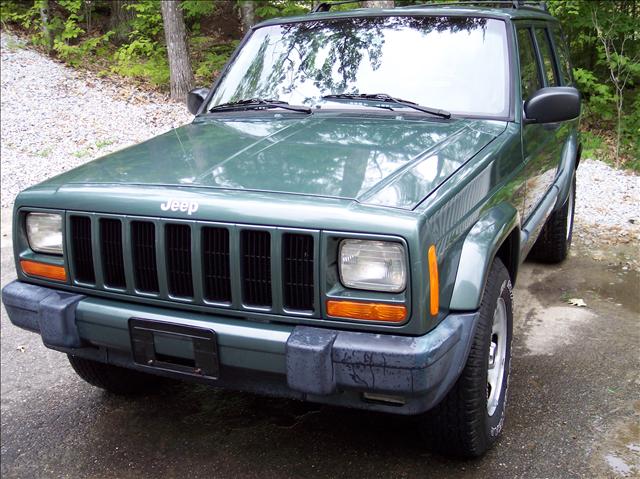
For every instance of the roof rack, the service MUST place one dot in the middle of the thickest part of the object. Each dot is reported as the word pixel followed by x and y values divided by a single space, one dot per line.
pixel 326 6
pixel 498 3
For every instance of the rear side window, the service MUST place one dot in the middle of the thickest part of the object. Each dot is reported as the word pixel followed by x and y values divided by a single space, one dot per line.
pixel 562 51
pixel 529 77
pixel 547 56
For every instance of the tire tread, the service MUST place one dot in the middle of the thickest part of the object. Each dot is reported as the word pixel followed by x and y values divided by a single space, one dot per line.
pixel 455 426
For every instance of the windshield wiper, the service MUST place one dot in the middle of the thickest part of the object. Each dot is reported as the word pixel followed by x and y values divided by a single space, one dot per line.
pixel 258 104
pixel 383 97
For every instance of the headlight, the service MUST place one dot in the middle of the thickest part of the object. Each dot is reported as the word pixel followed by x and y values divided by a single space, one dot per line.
pixel 44 231
pixel 373 265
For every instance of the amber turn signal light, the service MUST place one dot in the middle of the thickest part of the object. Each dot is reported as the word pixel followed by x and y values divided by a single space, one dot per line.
pixel 434 284
pixel 43 270
pixel 391 313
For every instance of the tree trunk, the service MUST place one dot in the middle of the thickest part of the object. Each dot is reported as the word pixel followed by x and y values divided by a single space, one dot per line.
pixel 44 18
pixel 120 20
pixel 87 14
pixel 378 4
pixel 176 37
pixel 619 104
pixel 247 14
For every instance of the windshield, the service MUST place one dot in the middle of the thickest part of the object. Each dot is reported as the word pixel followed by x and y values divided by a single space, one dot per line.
pixel 459 64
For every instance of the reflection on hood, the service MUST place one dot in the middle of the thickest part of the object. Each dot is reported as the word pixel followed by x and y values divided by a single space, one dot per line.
pixel 385 161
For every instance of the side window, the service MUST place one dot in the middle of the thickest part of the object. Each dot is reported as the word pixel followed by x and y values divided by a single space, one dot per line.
pixel 547 56
pixel 562 50
pixel 529 77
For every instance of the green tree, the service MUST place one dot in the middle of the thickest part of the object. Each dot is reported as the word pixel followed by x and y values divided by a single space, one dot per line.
pixel 622 68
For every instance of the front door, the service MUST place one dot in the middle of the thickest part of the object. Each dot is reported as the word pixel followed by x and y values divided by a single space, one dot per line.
pixel 541 143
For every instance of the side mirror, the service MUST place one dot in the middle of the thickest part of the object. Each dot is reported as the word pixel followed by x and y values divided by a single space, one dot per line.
pixel 195 98
pixel 552 104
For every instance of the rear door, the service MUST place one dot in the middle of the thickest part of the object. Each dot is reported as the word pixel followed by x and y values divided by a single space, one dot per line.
pixel 541 143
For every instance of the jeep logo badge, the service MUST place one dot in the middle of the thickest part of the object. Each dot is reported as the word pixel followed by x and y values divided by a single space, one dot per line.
pixel 189 207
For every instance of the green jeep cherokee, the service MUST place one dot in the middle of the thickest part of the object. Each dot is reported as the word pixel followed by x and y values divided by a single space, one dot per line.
pixel 342 222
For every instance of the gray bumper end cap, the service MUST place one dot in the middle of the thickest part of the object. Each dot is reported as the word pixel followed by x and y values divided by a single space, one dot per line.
pixel 50 312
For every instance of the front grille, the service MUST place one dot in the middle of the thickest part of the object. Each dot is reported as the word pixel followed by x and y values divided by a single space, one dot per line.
pixel 82 250
pixel 112 259
pixel 220 266
pixel 298 274
pixel 178 244
pixel 256 267
pixel 215 258
pixel 143 248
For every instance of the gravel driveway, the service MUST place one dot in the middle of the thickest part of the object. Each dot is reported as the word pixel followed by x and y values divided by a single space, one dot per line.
pixel 54 118
pixel 574 389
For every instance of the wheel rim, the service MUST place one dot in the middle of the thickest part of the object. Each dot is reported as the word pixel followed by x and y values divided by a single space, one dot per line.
pixel 497 356
pixel 570 212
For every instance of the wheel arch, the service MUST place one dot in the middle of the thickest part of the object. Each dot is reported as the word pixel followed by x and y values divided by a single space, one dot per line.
pixel 495 235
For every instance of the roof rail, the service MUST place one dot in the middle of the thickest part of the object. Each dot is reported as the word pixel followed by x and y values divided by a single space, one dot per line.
pixel 498 3
pixel 326 6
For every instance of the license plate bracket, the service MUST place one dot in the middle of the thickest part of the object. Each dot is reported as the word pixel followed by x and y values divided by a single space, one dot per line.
pixel 205 361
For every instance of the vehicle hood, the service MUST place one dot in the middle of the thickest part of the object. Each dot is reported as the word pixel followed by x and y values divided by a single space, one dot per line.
pixel 388 161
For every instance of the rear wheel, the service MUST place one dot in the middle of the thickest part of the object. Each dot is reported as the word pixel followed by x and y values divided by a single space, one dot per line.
pixel 552 246
pixel 470 418
pixel 115 379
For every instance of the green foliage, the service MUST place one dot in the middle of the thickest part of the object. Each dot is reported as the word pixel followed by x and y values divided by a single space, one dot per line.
pixel 617 21
pixel 69 40
pixel 593 145
pixel 281 8
pixel 18 13
pixel 144 56
pixel 209 58
pixel 147 20
pixel 104 143
pixel 631 132
pixel 196 9
pixel 141 60
pixel 598 97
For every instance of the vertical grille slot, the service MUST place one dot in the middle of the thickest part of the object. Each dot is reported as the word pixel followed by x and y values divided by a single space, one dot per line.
pixel 298 273
pixel 82 251
pixel 111 247
pixel 256 267
pixel 143 245
pixel 215 259
pixel 178 250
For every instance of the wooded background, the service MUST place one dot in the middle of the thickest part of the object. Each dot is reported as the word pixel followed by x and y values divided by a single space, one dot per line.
pixel 176 45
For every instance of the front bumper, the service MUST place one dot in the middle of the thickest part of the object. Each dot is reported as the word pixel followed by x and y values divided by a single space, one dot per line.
pixel 309 363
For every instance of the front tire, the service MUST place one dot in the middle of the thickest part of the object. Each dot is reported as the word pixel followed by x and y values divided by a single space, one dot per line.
pixel 470 418
pixel 117 380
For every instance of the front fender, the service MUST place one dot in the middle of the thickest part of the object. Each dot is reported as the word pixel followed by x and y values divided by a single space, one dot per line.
pixel 478 250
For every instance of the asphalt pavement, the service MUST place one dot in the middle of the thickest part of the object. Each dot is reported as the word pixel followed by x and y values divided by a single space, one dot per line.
pixel 574 404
